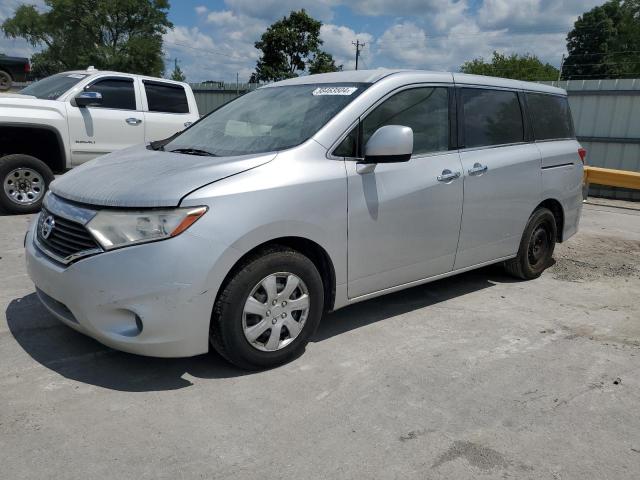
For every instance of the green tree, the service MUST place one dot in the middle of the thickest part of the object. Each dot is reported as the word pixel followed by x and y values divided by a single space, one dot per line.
pixel 288 47
pixel 519 67
pixel 177 73
pixel 123 35
pixel 604 42
pixel 323 62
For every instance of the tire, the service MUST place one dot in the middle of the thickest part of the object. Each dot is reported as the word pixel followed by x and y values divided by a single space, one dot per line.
pixel 230 319
pixel 536 247
pixel 23 182
pixel 5 81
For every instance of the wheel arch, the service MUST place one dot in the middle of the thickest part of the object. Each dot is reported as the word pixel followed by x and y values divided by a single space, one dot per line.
pixel 309 248
pixel 43 142
pixel 8 72
pixel 558 213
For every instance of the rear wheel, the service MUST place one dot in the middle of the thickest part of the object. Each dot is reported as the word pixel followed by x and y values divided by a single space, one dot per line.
pixel 536 247
pixel 5 81
pixel 25 180
pixel 268 310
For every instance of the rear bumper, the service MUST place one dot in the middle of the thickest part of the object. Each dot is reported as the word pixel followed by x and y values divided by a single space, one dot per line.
pixel 148 299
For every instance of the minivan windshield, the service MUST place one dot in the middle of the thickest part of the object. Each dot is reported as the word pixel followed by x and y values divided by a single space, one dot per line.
pixel 266 120
pixel 52 87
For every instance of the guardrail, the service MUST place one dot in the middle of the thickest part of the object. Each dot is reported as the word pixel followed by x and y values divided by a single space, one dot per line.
pixel 611 178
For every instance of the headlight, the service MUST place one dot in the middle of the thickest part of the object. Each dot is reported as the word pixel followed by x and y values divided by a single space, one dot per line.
pixel 119 228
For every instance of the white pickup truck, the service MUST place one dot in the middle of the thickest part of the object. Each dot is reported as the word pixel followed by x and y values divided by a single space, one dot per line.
pixel 64 120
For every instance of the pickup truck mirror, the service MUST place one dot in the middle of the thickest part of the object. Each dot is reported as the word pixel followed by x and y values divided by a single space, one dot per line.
pixel 389 144
pixel 88 99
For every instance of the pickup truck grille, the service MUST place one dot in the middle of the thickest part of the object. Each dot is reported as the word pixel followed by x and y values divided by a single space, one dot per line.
pixel 64 239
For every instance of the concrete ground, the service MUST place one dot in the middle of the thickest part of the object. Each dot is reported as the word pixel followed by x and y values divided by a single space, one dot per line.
pixel 476 376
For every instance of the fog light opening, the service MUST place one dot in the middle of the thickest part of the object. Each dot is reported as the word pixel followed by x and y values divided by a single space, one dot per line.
pixel 139 323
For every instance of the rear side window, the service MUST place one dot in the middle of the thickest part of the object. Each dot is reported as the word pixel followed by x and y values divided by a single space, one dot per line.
pixel 425 110
pixel 550 116
pixel 491 117
pixel 116 93
pixel 165 97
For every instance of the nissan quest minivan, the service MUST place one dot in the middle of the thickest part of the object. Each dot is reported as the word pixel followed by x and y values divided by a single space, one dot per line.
pixel 303 197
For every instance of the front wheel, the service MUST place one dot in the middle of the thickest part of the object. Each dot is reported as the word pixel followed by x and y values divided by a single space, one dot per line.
pixel 25 180
pixel 268 310
pixel 536 247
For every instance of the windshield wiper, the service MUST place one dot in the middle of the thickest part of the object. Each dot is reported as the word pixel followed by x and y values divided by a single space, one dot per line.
pixel 194 151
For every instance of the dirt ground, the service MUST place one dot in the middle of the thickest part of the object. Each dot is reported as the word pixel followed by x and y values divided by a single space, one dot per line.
pixel 476 376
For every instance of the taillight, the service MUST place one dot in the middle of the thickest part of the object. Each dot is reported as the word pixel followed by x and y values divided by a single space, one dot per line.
pixel 583 153
pixel 27 67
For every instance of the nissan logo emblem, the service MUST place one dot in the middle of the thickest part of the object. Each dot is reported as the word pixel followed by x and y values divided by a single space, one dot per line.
pixel 47 227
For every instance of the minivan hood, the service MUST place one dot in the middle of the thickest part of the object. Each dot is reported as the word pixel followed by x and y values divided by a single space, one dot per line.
pixel 139 177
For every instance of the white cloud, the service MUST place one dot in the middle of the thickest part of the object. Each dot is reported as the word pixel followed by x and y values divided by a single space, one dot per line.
pixel 337 41
pixel 534 15
pixel 189 37
pixel 218 48
pixel 441 13
pixel 274 9
pixel 403 45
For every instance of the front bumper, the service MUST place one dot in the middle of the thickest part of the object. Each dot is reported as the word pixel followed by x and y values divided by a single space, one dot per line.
pixel 152 299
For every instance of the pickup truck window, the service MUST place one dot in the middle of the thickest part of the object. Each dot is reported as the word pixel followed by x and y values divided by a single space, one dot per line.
pixel 51 88
pixel 165 97
pixel 267 120
pixel 116 93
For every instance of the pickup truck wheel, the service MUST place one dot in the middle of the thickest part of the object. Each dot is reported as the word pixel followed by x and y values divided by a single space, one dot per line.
pixel 25 180
pixel 5 81
pixel 268 310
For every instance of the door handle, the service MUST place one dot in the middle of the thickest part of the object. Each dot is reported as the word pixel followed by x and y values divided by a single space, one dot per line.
pixel 448 175
pixel 133 121
pixel 478 169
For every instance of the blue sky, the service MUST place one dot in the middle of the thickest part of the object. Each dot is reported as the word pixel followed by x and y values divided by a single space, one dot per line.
pixel 213 40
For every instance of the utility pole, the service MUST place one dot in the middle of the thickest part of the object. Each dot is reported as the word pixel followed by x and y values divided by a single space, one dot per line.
pixel 358 46
pixel 561 65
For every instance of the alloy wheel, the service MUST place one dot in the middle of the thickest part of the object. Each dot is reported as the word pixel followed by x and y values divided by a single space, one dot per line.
pixel 24 186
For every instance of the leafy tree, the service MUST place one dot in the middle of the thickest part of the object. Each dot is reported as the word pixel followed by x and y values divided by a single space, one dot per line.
pixel 520 67
pixel 323 62
pixel 604 42
pixel 177 74
pixel 288 47
pixel 124 35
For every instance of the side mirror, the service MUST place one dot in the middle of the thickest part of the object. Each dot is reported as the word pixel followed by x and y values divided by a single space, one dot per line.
pixel 88 99
pixel 389 144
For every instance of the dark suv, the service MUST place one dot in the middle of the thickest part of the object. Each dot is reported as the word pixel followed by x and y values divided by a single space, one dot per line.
pixel 13 69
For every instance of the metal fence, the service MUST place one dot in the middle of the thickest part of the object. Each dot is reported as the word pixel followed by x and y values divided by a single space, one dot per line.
pixel 606 114
pixel 211 95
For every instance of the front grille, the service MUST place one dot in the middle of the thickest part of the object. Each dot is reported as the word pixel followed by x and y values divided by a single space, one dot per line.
pixel 66 239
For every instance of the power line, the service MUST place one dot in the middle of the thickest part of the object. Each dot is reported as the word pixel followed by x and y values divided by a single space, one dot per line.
pixel 603 53
pixel 211 52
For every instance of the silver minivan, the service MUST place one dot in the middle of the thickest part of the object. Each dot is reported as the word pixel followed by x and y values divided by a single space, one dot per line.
pixel 303 197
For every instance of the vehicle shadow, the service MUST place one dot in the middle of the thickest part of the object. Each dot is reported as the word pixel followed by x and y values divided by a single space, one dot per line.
pixel 387 306
pixel 82 359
